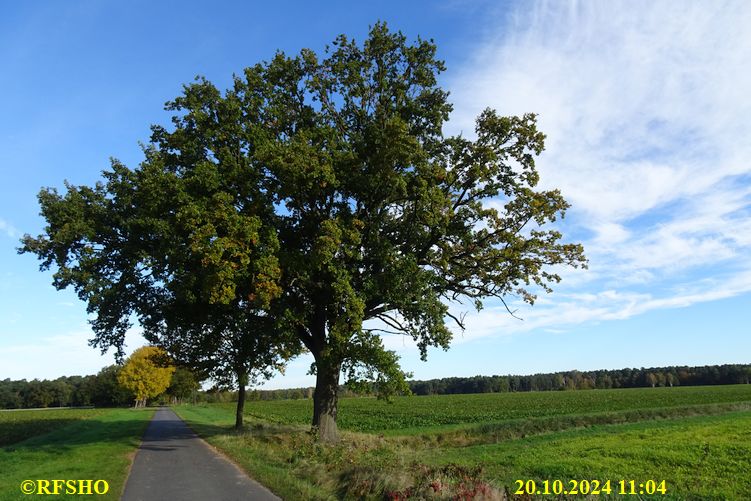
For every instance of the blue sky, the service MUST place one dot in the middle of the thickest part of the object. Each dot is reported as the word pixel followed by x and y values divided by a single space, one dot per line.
pixel 645 106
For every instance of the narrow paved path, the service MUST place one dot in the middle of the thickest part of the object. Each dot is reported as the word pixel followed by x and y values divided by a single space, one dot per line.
pixel 174 464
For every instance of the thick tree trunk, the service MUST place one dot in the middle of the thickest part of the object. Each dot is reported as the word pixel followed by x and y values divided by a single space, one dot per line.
pixel 324 402
pixel 242 380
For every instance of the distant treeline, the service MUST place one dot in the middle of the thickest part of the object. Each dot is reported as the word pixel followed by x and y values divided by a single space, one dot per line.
pixel 570 380
pixel 100 390
pixel 576 380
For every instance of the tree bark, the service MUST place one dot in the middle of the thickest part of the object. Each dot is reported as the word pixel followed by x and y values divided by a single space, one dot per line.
pixel 324 402
pixel 242 381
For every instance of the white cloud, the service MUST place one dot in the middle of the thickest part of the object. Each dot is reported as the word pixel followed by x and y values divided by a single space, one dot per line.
pixel 8 229
pixel 569 310
pixel 645 106
pixel 609 233
pixel 642 103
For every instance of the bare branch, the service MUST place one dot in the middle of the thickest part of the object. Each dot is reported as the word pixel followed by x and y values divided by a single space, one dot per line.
pixel 391 322
pixel 459 321
pixel 512 313
pixel 386 331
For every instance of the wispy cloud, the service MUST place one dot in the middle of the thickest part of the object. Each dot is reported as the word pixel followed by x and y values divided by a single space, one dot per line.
pixel 8 229
pixel 646 111
pixel 567 310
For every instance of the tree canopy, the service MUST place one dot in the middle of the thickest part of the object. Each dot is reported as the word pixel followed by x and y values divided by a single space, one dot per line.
pixel 185 243
pixel 316 203
pixel 147 373
pixel 385 218
pixel 183 384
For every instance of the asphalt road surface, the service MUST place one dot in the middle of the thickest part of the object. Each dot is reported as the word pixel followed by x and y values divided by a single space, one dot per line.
pixel 174 464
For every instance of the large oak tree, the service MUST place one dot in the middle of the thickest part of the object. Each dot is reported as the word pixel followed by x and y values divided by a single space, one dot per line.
pixel 320 195
pixel 384 218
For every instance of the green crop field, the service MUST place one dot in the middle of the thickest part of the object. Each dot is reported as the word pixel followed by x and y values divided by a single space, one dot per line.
pixel 416 414
pixel 696 439
pixel 68 444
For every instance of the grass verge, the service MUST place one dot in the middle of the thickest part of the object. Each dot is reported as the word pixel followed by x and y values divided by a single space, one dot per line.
pixel 97 447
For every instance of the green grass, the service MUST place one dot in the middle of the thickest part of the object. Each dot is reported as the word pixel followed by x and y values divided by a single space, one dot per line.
pixel 96 445
pixel 20 425
pixel 696 439
pixel 706 457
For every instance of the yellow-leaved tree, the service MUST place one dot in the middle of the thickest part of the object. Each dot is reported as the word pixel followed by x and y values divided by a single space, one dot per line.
pixel 147 373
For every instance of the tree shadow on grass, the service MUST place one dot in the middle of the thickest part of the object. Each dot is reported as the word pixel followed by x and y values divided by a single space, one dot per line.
pixel 12 432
